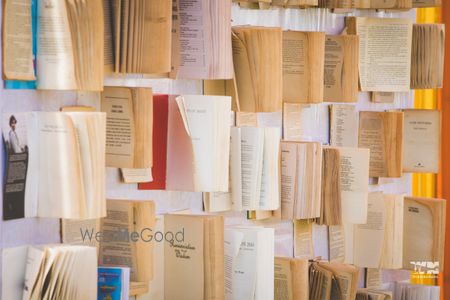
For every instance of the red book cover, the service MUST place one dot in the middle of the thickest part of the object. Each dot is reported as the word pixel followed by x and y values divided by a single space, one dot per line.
pixel 160 123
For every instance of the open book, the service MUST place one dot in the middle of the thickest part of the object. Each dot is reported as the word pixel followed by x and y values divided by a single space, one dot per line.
pixel 384 53
pixel 301 175
pixel 129 127
pixel 421 141
pixel 49 272
pixel 55 165
pixel 254 171
pixel 194 257
pixel 303 66
pixel 141 36
pixel 368 294
pixel 205 39
pixel 341 68
pixel 249 262
pixel 207 122
pixel 258 60
pixel 382 133
pixel 332 281
pixel 69 46
pixel 399 232
pixel 186 156
pixel 427 57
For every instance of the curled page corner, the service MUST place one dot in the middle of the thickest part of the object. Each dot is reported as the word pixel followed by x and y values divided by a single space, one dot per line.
pixel 182 108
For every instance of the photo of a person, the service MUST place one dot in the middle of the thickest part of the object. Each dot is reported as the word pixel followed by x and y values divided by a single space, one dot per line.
pixel 14 142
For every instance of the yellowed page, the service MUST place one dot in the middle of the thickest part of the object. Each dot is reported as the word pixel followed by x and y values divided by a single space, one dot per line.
pixel 343 125
pixel 186 254
pixel 303 65
pixel 17 40
pixel 283 279
pixel 61 190
pixel 336 243
pixel 116 249
pixel 384 54
pixel 303 242
pixel 354 183
pixel 55 60
pixel 423 233
pixel 108 39
pixel 371 136
pixel 117 102
pixel 341 68
pixel 80 232
pixel 368 238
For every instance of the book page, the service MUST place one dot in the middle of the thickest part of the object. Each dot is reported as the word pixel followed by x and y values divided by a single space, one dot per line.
pixel 79 232
pixel 90 129
pixel 120 131
pixel 343 125
pixel 61 191
pixel 157 37
pixel 423 231
pixel 136 175
pixel 270 174
pixel 384 54
pixel 371 136
pixel 421 142
pixel 55 61
pixel 283 279
pixel 288 180
pixel 209 129
pixel 186 253
pixel 354 184
pixel 17 40
pixel 252 147
pixel 243 265
pixel 336 239
pixel 341 68
pixel 109 59
pixel 306 122
pixel 303 62
pixel 117 249
pixel 368 238
pixel 303 240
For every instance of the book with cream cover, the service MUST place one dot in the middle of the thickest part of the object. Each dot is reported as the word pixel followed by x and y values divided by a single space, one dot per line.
pixel 421 141
pixel 194 259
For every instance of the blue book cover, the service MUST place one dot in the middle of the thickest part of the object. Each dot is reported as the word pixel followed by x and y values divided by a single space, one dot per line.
pixel 28 85
pixel 109 283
